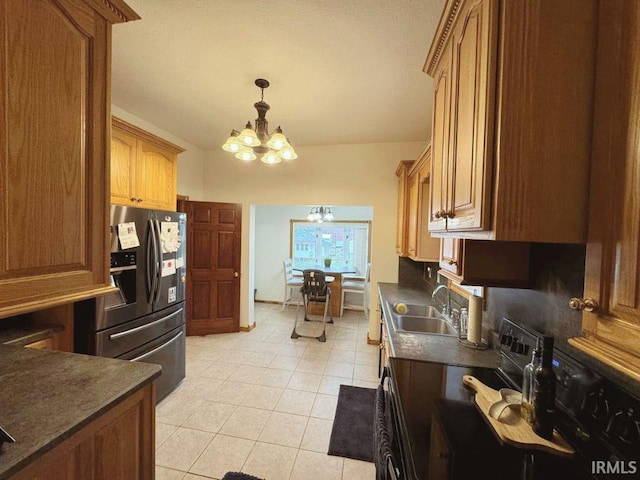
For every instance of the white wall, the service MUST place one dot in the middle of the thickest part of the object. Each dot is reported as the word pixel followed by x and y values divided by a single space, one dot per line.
pixel 273 238
pixel 190 162
pixel 351 175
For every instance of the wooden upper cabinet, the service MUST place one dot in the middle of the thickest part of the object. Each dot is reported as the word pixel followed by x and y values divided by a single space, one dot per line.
pixel 403 207
pixel 512 119
pixel 421 245
pixel 440 143
pixel 56 100
pixel 144 168
pixel 612 274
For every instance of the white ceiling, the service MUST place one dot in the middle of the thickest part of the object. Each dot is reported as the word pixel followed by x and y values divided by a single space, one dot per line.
pixel 340 71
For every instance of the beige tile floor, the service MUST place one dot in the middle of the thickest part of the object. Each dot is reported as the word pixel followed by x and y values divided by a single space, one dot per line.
pixel 262 403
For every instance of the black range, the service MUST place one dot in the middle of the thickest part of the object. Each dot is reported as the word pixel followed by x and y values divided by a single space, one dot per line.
pixel 438 433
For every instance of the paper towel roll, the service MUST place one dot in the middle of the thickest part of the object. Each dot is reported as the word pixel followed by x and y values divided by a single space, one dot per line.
pixel 475 319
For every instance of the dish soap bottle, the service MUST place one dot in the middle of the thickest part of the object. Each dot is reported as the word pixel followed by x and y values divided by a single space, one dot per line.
pixel 527 384
pixel 544 392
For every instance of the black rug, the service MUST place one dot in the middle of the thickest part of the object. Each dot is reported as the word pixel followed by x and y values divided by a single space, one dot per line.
pixel 352 433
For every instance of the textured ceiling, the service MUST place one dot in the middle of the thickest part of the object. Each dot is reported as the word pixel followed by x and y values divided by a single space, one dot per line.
pixel 340 71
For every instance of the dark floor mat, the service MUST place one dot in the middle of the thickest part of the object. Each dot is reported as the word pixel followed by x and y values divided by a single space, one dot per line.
pixel 352 433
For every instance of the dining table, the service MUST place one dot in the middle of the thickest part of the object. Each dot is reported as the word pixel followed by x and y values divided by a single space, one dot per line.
pixel 334 272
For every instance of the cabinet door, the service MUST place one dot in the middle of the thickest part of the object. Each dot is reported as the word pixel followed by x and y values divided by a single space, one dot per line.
pixel 412 222
pixel 401 228
pixel 612 274
pixel 123 168
pixel 450 253
pixel 474 70
pixel 440 144
pixel 427 247
pixel 157 176
pixel 54 208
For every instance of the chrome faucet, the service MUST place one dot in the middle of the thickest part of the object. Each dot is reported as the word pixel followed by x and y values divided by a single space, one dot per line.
pixel 446 307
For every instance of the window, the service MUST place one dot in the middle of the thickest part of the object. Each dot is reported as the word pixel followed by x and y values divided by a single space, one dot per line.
pixel 345 243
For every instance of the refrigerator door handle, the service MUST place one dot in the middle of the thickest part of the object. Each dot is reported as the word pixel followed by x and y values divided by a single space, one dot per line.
pixel 151 262
pixel 151 352
pixel 113 336
pixel 158 245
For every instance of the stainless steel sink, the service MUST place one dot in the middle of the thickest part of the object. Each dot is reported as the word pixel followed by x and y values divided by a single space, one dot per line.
pixel 432 325
pixel 416 310
pixel 420 319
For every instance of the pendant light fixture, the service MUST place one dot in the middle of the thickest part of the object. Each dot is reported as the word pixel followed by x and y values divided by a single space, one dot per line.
pixel 250 143
pixel 320 214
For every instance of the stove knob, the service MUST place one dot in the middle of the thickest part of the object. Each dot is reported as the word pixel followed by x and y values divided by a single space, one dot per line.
pixel 600 407
pixel 626 428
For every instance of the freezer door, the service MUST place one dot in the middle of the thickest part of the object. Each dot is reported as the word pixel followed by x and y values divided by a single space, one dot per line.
pixel 171 230
pixel 167 351
pixel 123 338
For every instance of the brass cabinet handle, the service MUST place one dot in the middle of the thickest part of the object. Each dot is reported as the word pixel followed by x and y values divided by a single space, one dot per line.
pixel 449 214
pixel 139 200
pixel 452 262
pixel 587 304
pixel 133 199
pixel 437 214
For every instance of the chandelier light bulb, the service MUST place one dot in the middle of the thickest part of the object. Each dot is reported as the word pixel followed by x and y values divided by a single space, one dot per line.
pixel 277 146
pixel 246 154
pixel 270 157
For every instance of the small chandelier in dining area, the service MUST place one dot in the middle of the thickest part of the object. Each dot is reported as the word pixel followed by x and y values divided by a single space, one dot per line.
pixel 250 142
pixel 320 214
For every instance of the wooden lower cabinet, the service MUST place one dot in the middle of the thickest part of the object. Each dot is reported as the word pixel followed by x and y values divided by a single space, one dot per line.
pixel 120 444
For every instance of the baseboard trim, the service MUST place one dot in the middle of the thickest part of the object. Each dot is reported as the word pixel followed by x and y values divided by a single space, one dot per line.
pixel 268 301
pixel 372 342
pixel 249 328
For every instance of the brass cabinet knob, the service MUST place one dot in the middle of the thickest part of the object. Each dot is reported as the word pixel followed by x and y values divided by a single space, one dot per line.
pixel 437 214
pixel 139 200
pixel 587 304
pixel 449 214
pixel 133 199
pixel 452 262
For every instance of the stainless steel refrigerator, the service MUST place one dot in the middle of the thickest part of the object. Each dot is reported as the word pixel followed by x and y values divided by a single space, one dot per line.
pixel 144 319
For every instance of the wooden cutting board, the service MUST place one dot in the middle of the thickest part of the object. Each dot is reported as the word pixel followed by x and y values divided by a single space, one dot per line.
pixel 512 429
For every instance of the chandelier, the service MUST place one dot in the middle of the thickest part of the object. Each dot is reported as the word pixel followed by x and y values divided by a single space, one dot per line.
pixel 320 214
pixel 249 143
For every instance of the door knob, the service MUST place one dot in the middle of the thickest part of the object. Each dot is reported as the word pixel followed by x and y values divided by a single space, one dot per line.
pixel 587 304
pixel 236 274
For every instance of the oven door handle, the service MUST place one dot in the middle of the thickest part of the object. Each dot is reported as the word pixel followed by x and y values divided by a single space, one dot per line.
pixel 131 331
pixel 157 349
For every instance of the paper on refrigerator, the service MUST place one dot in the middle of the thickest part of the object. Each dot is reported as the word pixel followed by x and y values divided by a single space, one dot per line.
pixel 170 237
pixel 127 235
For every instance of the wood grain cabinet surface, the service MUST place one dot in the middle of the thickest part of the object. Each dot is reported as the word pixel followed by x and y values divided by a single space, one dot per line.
pixel 144 168
pixel 402 172
pixel 612 274
pixel 54 170
pixel 117 445
pixel 512 119
pixel 421 246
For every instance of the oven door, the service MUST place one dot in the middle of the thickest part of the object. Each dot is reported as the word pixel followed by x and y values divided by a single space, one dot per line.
pixel 386 448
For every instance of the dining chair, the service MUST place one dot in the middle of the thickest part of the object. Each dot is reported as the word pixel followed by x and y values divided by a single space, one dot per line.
pixel 292 283
pixel 315 288
pixel 355 284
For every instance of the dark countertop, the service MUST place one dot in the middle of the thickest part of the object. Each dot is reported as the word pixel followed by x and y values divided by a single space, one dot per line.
pixel 425 347
pixel 46 396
